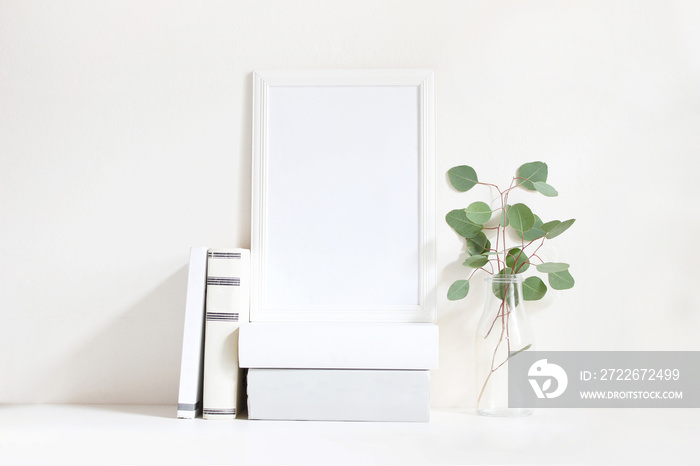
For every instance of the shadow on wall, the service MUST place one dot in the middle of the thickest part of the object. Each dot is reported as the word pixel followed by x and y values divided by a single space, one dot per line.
pixel 245 162
pixel 136 358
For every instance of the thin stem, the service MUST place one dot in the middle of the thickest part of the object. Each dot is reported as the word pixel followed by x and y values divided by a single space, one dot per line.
pixel 534 253
pixel 498 239
pixel 504 203
pixel 507 324
pixel 498 314
pixel 493 186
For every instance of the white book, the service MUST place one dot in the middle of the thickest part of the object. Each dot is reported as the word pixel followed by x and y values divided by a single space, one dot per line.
pixel 228 289
pixel 339 345
pixel 189 401
pixel 339 395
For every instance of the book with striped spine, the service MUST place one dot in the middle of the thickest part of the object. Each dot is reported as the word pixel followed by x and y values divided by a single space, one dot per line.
pixel 227 308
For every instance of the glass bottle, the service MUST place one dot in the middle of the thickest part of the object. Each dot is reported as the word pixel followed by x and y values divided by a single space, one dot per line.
pixel 504 330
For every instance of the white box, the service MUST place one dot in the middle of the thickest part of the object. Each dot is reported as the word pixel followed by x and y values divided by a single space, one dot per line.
pixel 339 395
pixel 341 345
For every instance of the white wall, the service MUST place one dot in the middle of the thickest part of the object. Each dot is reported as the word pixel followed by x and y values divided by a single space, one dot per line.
pixel 125 139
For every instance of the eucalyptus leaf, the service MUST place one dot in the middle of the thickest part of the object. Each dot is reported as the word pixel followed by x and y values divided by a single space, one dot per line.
pixel 530 173
pixel 517 260
pixel 524 348
pixel 458 290
pixel 477 244
pixel 533 289
pixel 561 280
pixel 476 261
pixel 560 228
pixel 521 218
pixel 458 220
pixel 534 232
pixel 546 227
pixel 463 177
pixel 504 273
pixel 551 267
pixel 478 212
pixel 545 189
pixel 503 290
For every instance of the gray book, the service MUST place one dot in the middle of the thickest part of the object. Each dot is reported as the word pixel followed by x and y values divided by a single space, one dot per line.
pixel 339 395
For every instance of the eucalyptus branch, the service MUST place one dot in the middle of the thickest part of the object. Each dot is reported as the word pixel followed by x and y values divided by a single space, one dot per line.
pixel 470 224
pixel 502 259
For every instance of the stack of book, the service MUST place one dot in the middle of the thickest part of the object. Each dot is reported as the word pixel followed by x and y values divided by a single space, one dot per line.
pixel 323 371
pixel 339 371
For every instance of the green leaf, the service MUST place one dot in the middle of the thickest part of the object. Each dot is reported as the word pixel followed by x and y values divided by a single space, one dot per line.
pixel 533 289
pixel 477 244
pixel 458 290
pixel 561 280
pixel 463 177
pixel 458 220
pixel 478 212
pixel 524 348
pixel 517 260
pixel 560 228
pixel 504 290
pixel 521 218
pixel 475 261
pixel 535 232
pixel 545 189
pixel 549 225
pixel 531 172
pixel 551 267
pixel 507 272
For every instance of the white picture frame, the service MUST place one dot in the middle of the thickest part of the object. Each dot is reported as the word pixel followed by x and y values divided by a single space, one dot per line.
pixel 343 199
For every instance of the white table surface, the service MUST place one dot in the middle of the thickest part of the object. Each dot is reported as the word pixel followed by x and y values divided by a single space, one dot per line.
pixel 106 434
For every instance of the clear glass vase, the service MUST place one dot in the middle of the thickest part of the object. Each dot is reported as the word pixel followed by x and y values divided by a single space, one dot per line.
pixel 503 330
